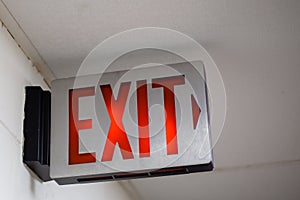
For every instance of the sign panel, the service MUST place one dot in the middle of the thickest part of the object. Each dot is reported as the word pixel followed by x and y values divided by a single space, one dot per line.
pixel 140 123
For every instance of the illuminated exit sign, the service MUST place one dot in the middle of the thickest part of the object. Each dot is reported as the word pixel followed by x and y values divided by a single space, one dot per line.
pixel 143 122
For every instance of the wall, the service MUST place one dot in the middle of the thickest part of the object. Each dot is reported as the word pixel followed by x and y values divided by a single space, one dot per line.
pixel 16 72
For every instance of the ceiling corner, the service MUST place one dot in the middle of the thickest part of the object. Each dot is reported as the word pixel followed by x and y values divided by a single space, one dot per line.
pixel 25 43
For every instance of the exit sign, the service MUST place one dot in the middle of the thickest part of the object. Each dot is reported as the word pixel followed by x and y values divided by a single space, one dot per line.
pixel 143 122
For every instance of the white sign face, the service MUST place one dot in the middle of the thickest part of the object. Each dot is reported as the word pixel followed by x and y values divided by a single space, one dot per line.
pixel 139 123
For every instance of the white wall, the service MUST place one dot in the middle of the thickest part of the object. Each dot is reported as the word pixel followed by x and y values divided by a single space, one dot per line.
pixel 16 182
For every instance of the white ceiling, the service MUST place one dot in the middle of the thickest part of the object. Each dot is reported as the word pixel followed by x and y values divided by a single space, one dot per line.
pixel 256 45
pixel 65 31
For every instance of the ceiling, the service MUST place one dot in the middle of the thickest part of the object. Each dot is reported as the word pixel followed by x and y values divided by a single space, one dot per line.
pixel 65 31
pixel 255 44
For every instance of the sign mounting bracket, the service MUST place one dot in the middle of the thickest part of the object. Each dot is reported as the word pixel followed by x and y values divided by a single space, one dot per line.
pixel 36 130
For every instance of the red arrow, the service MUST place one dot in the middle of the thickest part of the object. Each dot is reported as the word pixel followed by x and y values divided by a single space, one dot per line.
pixel 196 111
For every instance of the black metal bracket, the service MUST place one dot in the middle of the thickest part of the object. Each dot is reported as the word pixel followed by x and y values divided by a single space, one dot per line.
pixel 36 129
